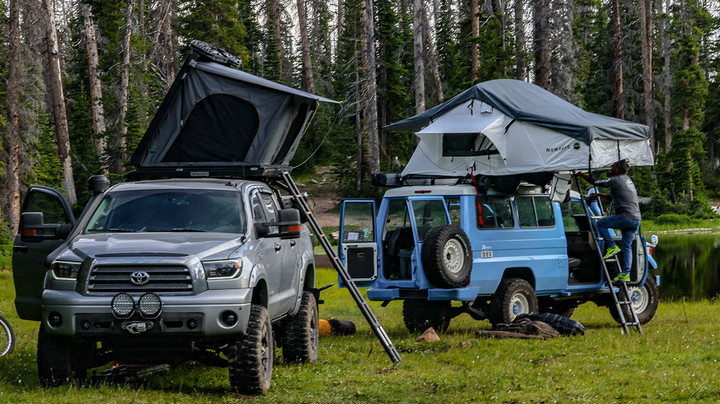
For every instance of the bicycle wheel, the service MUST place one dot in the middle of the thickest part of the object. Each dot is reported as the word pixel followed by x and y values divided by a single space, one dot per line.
pixel 7 337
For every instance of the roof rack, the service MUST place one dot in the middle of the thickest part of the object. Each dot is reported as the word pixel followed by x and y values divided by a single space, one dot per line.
pixel 239 171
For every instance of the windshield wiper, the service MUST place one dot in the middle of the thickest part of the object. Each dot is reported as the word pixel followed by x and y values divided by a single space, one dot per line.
pixel 176 229
pixel 117 230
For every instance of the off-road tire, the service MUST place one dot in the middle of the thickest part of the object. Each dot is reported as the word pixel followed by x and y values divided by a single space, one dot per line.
pixel 54 360
pixel 82 356
pixel 300 333
pixel 565 308
pixel 447 256
pixel 250 358
pixel 419 315
pixel 562 324
pixel 215 54
pixel 7 343
pixel 645 302
pixel 514 296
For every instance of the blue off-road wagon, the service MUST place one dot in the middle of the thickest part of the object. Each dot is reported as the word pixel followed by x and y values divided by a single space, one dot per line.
pixel 483 213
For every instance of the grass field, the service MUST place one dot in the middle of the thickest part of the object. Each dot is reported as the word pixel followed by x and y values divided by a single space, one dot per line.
pixel 675 360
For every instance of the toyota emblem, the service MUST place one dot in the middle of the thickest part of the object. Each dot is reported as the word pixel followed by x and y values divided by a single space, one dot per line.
pixel 139 278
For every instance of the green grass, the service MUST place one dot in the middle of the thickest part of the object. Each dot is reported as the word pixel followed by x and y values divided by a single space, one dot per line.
pixel 675 360
pixel 649 226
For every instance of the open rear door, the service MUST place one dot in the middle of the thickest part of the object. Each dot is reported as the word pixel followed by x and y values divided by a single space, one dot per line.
pixel 358 243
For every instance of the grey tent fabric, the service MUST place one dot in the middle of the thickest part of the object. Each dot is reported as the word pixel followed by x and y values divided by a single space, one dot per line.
pixel 217 116
pixel 529 103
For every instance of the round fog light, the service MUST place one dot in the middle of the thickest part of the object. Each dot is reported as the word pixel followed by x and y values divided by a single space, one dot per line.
pixel 123 305
pixel 228 318
pixel 55 319
pixel 150 305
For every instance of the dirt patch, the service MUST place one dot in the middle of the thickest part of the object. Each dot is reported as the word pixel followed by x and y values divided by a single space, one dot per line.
pixel 322 196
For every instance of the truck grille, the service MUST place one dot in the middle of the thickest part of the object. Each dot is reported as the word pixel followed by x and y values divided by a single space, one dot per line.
pixel 161 278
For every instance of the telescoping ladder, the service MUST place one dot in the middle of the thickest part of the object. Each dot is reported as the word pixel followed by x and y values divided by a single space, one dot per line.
pixel 621 299
pixel 377 328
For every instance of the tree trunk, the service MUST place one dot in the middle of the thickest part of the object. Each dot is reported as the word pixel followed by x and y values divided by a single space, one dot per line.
pixel 617 57
pixel 419 61
pixel 667 79
pixel 277 20
pixel 520 40
pixel 541 43
pixel 340 17
pixel 309 80
pixel 431 56
pixel 62 136
pixel 474 34
pixel 371 115
pixel 646 44
pixel 121 135
pixel 98 113
pixel 12 133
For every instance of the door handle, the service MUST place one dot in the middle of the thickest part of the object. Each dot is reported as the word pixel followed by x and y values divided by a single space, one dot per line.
pixel 293 243
pixel 21 248
pixel 278 246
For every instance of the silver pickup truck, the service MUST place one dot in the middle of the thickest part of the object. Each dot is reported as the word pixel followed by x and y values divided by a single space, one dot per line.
pixel 166 271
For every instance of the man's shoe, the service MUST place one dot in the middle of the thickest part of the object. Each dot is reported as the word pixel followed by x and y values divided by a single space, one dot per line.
pixel 622 278
pixel 611 252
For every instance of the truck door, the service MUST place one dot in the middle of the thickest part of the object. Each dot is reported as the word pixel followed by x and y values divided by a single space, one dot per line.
pixel 357 239
pixel 46 220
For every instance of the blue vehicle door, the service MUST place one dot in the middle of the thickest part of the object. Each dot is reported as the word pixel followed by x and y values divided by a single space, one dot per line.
pixel 45 222
pixel 357 246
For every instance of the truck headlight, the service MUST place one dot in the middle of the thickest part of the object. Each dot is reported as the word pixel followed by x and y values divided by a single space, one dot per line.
pixel 223 269
pixel 65 269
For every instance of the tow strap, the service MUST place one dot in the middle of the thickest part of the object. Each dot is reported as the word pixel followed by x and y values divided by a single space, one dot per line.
pixel 479 204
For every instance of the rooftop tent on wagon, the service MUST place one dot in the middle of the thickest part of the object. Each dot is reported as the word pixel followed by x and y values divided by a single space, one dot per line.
pixel 215 117
pixel 503 127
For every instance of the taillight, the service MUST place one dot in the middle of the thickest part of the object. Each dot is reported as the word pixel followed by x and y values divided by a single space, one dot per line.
pixel 650 250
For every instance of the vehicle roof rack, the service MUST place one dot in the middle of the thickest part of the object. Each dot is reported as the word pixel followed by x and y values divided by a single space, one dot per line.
pixel 239 171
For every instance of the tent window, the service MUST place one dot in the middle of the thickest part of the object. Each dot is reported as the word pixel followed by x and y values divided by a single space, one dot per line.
pixel 221 127
pixel 466 144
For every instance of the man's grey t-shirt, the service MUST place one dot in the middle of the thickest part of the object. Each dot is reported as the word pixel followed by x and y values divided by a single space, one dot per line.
pixel 624 195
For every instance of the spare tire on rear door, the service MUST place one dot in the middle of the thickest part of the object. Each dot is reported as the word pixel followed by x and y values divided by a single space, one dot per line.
pixel 447 256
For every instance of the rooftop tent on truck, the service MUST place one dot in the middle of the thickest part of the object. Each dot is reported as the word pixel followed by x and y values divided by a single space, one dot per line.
pixel 215 116
pixel 503 127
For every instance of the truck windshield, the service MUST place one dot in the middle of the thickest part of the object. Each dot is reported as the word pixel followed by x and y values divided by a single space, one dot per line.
pixel 185 210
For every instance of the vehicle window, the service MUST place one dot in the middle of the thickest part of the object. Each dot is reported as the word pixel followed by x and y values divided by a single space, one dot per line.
pixel 494 212
pixel 397 215
pixel 428 214
pixel 270 207
pixel 535 211
pixel 574 216
pixel 358 222
pixel 53 212
pixel 257 209
pixel 186 210
pixel 453 206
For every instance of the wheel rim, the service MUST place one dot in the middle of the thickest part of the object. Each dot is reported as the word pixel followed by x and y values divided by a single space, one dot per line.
pixel 640 299
pixel 519 304
pixel 266 353
pixel 453 256
pixel 4 339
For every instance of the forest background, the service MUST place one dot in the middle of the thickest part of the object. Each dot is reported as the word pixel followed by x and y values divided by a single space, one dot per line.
pixel 81 79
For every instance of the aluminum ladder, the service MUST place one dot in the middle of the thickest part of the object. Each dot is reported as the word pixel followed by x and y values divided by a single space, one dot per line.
pixel 377 328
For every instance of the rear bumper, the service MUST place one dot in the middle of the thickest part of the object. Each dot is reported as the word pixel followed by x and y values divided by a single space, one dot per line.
pixel 193 316
pixel 467 294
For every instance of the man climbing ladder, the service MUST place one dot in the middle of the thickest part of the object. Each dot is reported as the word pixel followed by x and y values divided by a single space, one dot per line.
pixel 626 217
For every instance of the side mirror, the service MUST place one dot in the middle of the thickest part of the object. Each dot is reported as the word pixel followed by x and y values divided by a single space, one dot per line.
pixel 288 227
pixel 33 228
pixel 98 184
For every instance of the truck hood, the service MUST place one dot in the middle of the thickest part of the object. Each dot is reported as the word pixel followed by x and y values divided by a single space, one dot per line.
pixel 202 245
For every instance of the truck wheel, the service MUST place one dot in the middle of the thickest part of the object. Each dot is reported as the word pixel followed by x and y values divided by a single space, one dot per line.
pixel 514 296
pixel 250 358
pixel 447 256
pixel 300 332
pixel 419 315
pixel 644 301
pixel 54 360
pixel 82 358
